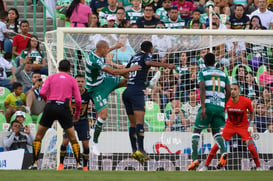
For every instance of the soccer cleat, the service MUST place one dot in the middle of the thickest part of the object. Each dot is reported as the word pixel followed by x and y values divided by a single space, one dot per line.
pixel 85 168
pixel 95 149
pixel 154 80
pixel 79 167
pixel 33 166
pixel 193 165
pixel 204 168
pixel 259 169
pixel 222 162
pixel 60 167
pixel 141 156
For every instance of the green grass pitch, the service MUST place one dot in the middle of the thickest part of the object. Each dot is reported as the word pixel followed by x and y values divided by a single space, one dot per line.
pixel 74 175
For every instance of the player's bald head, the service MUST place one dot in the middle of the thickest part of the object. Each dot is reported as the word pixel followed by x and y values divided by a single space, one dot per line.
pixel 101 44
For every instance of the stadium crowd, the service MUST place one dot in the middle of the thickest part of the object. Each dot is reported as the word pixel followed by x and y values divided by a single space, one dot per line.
pixel 23 66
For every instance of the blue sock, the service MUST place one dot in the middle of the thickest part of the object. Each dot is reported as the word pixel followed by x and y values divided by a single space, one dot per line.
pixel 140 136
pixel 133 138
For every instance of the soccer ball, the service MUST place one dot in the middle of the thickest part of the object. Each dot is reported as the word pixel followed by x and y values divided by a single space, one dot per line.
pixel 146 2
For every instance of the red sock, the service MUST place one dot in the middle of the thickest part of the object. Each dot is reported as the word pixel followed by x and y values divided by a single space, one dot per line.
pixel 254 154
pixel 212 154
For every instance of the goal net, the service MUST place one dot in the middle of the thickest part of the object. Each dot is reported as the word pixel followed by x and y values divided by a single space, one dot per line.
pixel 243 55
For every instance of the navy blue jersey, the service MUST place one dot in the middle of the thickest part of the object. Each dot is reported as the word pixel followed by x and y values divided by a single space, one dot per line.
pixel 85 101
pixel 137 79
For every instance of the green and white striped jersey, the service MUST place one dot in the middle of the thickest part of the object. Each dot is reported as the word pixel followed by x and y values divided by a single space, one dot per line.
pixel 93 71
pixel 105 12
pixel 133 15
pixel 178 24
pixel 215 82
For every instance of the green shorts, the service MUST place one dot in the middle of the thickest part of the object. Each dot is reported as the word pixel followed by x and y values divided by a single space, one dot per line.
pixel 99 94
pixel 215 118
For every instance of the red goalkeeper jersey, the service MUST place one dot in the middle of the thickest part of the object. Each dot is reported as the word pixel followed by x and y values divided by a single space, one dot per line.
pixel 237 112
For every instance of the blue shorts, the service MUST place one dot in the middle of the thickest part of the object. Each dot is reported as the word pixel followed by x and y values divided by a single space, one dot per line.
pixel 133 100
pixel 82 129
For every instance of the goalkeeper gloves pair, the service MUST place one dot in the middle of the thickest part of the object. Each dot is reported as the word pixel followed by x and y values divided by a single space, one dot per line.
pixel 250 128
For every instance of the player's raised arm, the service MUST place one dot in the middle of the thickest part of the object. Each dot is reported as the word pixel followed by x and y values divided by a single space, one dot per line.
pixel 121 71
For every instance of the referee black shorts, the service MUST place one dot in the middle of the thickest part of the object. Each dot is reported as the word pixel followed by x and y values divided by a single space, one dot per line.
pixel 56 110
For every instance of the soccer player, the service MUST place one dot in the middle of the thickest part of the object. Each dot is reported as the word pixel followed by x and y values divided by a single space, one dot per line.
pixel 133 97
pixel 99 87
pixel 237 123
pixel 58 90
pixel 214 93
pixel 81 126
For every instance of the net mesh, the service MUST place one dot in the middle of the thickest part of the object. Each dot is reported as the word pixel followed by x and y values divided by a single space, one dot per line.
pixel 168 142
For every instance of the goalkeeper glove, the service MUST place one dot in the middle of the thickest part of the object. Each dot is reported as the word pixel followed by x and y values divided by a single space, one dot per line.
pixel 250 128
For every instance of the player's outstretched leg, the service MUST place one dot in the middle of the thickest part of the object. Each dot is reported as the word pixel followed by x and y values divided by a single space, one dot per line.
pixel 195 142
pixel 211 155
pixel 36 147
pixel 254 154
pixel 97 131
pixel 62 156
pixel 143 157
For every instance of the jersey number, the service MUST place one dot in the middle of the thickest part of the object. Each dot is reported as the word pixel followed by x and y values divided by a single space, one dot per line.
pixel 213 84
pixel 133 74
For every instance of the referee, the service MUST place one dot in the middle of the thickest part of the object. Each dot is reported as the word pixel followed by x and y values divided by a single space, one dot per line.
pixel 57 91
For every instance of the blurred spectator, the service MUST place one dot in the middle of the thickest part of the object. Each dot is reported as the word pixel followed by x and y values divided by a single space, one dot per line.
pixel 37 56
pixel 111 9
pixel 185 8
pixel 187 82
pixel 126 4
pixel 222 7
pixel 34 102
pixel 266 78
pixel 121 16
pixel 3 28
pixel 63 5
pixel 20 41
pixel 261 117
pixel 191 107
pixel 12 27
pixel 119 58
pixel 94 21
pixel 162 44
pixel 174 21
pixel 167 87
pixel 247 5
pixel 176 119
pixel 148 20
pixel 265 15
pixel 4 66
pixel 79 14
pixel 182 67
pixel 251 89
pixel 162 13
pixel 124 24
pixel 200 61
pixel 205 17
pixel 17 139
pixel 266 97
pixel 196 14
pixel 98 5
pixel 269 5
pixel 240 77
pixel 256 24
pixel 23 73
pixel 21 117
pixel 134 13
pixel 111 21
pixel 3 5
pixel 196 25
pixel 238 19
pixel 237 54
pixel 15 101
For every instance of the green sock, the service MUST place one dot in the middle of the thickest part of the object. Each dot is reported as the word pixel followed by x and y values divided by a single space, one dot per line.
pixel 98 128
pixel 195 143
pixel 220 142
